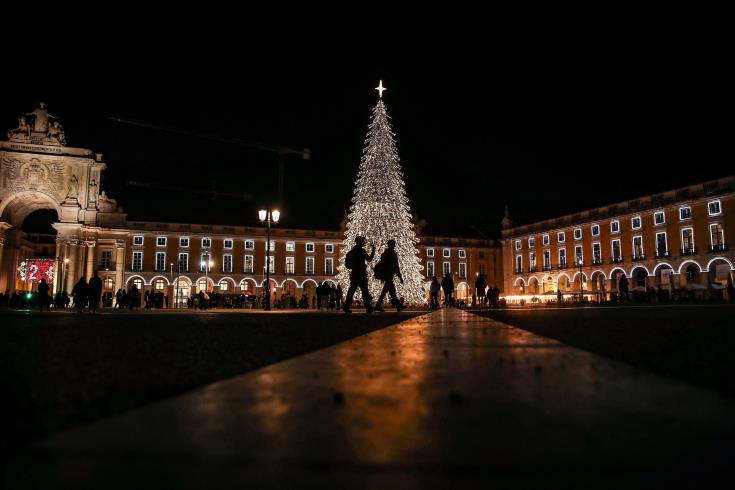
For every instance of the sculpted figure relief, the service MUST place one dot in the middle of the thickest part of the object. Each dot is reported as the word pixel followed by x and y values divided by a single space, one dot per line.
pixel 73 192
pixel 41 115
pixel 55 134
pixel 92 194
pixel 22 132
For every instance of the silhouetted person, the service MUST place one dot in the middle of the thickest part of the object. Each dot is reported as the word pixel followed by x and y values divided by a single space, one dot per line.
pixel 559 297
pixel 43 298
pixel 480 285
pixel 95 291
pixel 79 292
pixel 434 293
pixel 338 296
pixel 355 260
pixel 385 270
pixel 448 287
pixel 623 287
pixel 730 292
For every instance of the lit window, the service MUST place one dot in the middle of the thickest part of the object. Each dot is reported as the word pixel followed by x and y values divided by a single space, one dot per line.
pixel 462 254
pixel 687 240
pixel 224 285
pixel 249 263
pixel 446 268
pixel 138 240
pixel 329 266
pixel 329 248
pixel 659 218
pixel 137 263
pixel 430 268
pixel 577 233
pixel 717 237
pixel 519 264
pixel 290 265
pixel 685 213
pixel 635 223
pixel 206 242
pixel 160 261
pixel 561 237
pixel 183 262
pixel 249 245
pixel 429 252
pixel 161 241
pixel 290 246
pixel 138 283
pixel 310 266
pixel 596 253
pixel 271 264
pixel 518 244
pixel 713 207
pixel 615 226
pixel 547 259
pixel 532 261
pixel 227 243
pixel 562 257
pixel 184 241
pixel 637 247
pixel 578 255
pixel 616 250
pixel 227 263
pixel 531 242
pixel 310 247
pixel 462 270
pixel 159 285
pixel 446 252
pixel 595 229
pixel 545 240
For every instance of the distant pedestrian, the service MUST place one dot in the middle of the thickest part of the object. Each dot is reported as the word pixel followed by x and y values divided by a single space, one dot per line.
pixel 559 297
pixel 95 291
pixel 43 298
pixel 355 261
pixel 480 286
pixel 80 292
pixel 338 296
pixel 448 288
pixel 384 271
pixel 434 293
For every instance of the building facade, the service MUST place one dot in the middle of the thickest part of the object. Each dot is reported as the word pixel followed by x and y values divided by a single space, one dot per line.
pixel 39 171
pixel 676 240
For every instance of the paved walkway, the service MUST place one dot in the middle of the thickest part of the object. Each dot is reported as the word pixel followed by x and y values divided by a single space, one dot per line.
pixel 444 399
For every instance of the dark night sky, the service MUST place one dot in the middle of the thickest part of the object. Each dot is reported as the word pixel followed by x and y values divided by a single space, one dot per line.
pixel 545 122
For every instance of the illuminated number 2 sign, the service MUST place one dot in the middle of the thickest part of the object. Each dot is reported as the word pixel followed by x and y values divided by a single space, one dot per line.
pixel 33 270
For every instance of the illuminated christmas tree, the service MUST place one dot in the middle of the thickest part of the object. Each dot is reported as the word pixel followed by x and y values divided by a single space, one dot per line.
pixel 380 210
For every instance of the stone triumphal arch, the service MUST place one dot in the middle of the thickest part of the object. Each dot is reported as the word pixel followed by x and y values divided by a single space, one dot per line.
pixel 39 171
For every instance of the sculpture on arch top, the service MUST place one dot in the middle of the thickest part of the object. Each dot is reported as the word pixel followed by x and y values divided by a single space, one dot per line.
pixel 40 131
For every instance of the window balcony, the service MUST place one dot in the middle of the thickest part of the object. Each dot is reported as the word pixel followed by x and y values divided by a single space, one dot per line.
pixel 519 271
pixel 660 254
pixel 718 247
pixel 563 265
pixel 547 267
pixel 616 260
pixel 532 269
pixel 638 258
pixel 688 251
pixel 597 261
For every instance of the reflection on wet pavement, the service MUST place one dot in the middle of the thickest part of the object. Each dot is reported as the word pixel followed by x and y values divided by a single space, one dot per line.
pixel 446 397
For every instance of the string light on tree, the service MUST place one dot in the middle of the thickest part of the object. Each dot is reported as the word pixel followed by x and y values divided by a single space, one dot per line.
pixel 380 209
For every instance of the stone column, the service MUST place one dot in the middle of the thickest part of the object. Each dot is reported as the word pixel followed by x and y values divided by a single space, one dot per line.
pixel 90 259
pixel 120 265
pixel 73 266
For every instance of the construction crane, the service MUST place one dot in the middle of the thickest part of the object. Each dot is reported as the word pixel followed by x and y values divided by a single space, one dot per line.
pixel 245 196
pixel 281 151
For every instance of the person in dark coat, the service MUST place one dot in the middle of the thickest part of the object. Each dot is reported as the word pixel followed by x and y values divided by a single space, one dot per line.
pixel 338 296
pixel 95 291
pixel 43 298
pixel 480 285
pixel 385 270
pixel 448 288
pixel 356 261
pixel 434 293
pixel 80 292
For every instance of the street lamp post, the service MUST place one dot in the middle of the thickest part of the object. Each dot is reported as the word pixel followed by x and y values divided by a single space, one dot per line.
pixel 206 264
pixel 63 273
pixel 107 280
pixel 581 292
pixel 268 216
pixel 170 280
pixel 178 276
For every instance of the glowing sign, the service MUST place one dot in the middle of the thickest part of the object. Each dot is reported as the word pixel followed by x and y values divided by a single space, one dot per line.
pixel 33 270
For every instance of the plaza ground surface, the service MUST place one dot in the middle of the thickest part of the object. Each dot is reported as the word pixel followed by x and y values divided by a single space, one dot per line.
pixel 444 400
pixel 61 369
pixel 694 343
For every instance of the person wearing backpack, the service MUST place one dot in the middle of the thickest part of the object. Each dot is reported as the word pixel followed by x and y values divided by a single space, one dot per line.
pixel 355 261
pixel 385 270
